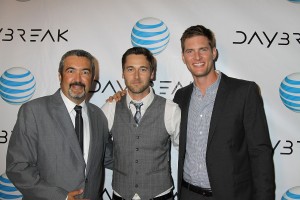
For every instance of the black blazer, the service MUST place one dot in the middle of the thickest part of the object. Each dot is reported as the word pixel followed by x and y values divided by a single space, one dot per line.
pixel 239 155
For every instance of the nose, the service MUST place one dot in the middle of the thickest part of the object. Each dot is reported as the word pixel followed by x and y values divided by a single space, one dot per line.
pixel 77 77
pixel 137 74
pixel 197 55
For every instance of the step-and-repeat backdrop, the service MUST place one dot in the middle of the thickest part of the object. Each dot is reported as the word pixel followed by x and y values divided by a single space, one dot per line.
pixel 257 40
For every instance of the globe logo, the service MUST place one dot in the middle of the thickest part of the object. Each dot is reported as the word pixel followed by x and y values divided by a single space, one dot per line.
pixel 17 85
pixel 7 189
pixel 294 1
pixel 290 92
pixel 150 33
pixel 293 193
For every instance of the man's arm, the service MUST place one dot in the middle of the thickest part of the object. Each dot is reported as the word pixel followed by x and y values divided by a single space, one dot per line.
pixel 260 147
pixel 109 111
pixel 172 121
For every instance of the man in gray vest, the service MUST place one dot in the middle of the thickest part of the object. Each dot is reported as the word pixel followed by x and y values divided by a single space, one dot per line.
pixel 142 125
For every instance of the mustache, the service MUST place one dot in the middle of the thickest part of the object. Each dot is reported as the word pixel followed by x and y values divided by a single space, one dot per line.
pixel 78 84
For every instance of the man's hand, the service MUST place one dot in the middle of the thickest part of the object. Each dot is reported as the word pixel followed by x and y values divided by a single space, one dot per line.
pixel 117 96
pixel 75 194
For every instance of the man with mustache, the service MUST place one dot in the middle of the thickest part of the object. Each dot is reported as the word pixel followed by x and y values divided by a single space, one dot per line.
pixel 47 157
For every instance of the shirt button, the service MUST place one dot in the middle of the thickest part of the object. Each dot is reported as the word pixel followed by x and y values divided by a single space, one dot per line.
pixel 200 115
pixel 137 149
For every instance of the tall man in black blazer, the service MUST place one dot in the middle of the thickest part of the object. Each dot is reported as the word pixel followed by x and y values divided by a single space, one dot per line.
pixel 45 159
pixel 225 152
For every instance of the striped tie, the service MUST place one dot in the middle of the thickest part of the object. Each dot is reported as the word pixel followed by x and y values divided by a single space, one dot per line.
pixel 137 116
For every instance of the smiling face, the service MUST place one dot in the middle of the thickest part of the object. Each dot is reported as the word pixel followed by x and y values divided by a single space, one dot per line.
pixel 76 78
pixel 137 75
pixel 199 56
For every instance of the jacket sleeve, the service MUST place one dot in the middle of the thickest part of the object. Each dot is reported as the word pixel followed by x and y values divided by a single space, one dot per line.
pixel 108 159
pixel 176 98
pixel 259 143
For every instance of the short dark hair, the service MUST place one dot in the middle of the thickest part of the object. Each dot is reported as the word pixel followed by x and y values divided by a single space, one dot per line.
pixel 141 51
pixel 80 53
pixel 198 30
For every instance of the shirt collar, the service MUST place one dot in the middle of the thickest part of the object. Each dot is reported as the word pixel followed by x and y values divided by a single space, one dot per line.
pixel 213 87
pixel 147 100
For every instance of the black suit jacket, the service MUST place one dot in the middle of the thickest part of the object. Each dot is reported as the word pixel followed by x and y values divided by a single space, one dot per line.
pixel 239 155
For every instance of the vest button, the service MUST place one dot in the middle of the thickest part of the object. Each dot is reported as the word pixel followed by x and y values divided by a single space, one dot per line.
pixel 136 185
pixel 137 137
pixel 137 149
pixel 136 161
pixel 135 125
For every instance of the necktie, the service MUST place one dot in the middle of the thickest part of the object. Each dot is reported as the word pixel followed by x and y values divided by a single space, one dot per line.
pixel 137 116
pixel 79 125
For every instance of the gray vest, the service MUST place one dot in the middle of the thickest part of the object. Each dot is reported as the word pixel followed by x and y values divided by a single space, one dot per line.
pixel 141 152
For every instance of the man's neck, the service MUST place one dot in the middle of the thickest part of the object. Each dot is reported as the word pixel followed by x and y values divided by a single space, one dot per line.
pixel 138 96
pixel 204 82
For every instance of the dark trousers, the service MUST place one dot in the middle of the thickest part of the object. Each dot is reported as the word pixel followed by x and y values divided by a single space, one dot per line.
pixel 186 194
pixel 158 198
pixel 167 199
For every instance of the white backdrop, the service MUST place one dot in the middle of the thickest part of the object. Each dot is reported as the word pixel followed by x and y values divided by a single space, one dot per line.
pixel 257 40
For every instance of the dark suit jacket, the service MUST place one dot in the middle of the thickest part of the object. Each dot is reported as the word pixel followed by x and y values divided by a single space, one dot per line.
pixel 239 155
pixel 44 159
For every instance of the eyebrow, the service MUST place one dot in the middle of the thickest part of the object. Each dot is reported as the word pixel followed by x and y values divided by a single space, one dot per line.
pixel 138 66
pixel 71 67
pixel 192 49
pixel 68 67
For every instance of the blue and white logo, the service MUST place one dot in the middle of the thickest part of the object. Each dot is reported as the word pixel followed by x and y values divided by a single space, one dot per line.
pixel 8 190
pixel 150 33
pixel 292 193
pixel 290 92
pixel 294 1
pixel 17 85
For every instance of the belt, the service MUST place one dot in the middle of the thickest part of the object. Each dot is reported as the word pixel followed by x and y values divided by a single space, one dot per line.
pixel 163 197
pixel 203 191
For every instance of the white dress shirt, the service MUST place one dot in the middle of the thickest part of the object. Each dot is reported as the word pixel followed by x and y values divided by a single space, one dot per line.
pixel 86 125
pixel 172 120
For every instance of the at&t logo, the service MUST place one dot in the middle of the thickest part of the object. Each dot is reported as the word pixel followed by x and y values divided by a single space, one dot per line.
pixel 17 85
pixel 150 33
pixel 294 1
pixel 291 194
pixel 8 190
pixel 290 92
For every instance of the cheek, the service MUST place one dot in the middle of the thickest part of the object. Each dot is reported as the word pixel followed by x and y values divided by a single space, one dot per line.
pixel 188 63
pixel 87 82
pixel 64 82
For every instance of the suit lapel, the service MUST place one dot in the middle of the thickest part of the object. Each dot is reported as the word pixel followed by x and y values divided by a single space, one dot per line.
pixel 93 126
pixel 65 125
pixel 221 97
pixel 186 98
